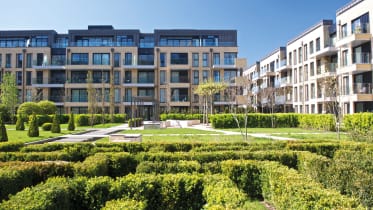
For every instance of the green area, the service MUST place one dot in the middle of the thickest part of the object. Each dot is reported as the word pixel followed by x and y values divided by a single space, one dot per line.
pixel 170 131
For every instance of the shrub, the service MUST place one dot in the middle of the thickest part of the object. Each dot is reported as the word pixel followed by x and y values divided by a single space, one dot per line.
pixel 28 108
pixel 165 168
pixel 82 120
pixel 46 126
pixel 44 119
pixel 47 107
pixel 71 123
pixel 33 130
pixel 124 204
pixel 359 126
pixel 324 122
pixel 135 122
pixel 3 133
pixel 56 128
pixel 96 165
pixel 6 113
pixel 11 146
pixel 20 124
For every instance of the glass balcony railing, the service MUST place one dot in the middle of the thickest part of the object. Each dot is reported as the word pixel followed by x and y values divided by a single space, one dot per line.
pixel 102 44
pixel 180 98
pixel 361 58
pixel 362 88
pixel 190 43
pixel 277 83
pixel 361 28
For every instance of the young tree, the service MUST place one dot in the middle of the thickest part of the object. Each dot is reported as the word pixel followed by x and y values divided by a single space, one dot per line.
pixel 20 124
pixel 33 130
pixel 207 91
pixel 92 98
pixel 332 91
pixel 56 128
pixel 3 133
pixel 71 123
pixel 268 100
pixel 9 93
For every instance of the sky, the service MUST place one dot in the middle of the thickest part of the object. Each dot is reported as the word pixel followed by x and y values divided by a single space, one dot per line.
pixel 262 25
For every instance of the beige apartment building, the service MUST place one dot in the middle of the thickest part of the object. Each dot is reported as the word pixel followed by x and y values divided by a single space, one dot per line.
pixel 141 74
pixel 299 75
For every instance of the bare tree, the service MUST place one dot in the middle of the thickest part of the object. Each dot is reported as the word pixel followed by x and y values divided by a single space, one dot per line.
pixel 267 96
pixel 333 92
pixel 92 98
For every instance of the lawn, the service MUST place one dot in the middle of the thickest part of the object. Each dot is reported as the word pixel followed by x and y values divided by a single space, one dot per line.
pixel 274 130
pixel 170 131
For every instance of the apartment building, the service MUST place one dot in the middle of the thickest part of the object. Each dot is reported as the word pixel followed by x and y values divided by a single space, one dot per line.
pixel 354 43
pixel 326 52
pixel 125 70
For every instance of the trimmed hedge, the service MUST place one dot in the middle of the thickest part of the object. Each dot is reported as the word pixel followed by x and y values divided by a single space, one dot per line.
pixel 124 204
pixel 135 122
pixel 181 166
pixel 177 116
pixel 359 126
pixel 325 122
pixel 284 188
pixel 84 119
pixel 46 126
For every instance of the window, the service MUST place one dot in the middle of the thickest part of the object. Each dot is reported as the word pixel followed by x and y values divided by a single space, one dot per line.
pixel 128 95
pixel 117 95
pixel 360 24
pixel 229 75
pixel 295 57
pixel 318 44
pixel 127 77
pixel 311 47
pixel 301 74
pixel 300 57
pixel 116 59
pixel 1 60
pixel 79 59
pixel 39 59
pixel 28 78
pixel 116 77
pixel 306 72
pixel 230 58
pixel 179 58
pixel 145 92
pixel 78 76
pixel 312 69
pixel 195 77
pixel 101 59
pixel 179 94
pixel 128 59
pixel 313 91
pixel 205 75
pixel 39 41
pixel 205 59
pixel 162 77
pixel 290 58
pixel 58 60
pixel 29 60
pixel 19 60
pixel 146 59
pixel 195 60
pixel 216 76
pixel 163 60
pixel 8 60
pixel 79 95
pixel 295 94
pixel 19 78
pixel 295 76
pixel 305 49
pixel 216 58
pixel 179 76
pixel 162 95
pixel 145 77
pixel 344 58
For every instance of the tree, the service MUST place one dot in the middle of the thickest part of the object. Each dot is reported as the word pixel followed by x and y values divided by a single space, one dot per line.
pixel 3 133
pixel 71 123
pixel 207 91
pixel 33 130
pixel 9 92
pixel 332 91
pixel 56 128
pixel 28 108
pixel 20 124
pixel 268 100
pixel 47 107
pixel 92 98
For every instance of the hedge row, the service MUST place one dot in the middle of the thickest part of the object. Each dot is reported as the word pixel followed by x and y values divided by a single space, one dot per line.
pixel 135 122
pixel 14 176
pixel 284 188
pixel 255 120
pixel 325 122
pixel 176 116
pixel 85 119
pixel 360 126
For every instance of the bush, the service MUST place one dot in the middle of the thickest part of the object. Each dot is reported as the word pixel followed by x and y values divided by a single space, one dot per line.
pixel 20 124
pixel 82 120
pixel 11 146
pixel 135 122
pixel 96 165
pixel 46 126
pixel 177 116
pixel 47 107
pixel 168 168
pixel 71 123
pixel 28 108
pixel 33 130
pixel 3 133
pixel 124 204
pixel 359 126
pixel 43 119
pixel 56 128
pixel 6 113
pixel 324 122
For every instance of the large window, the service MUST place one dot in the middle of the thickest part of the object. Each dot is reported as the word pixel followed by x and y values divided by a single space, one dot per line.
pixel 318 44
pixel 128 95
pixel 79 59
pixel 217 76
pixel 179 76
pixel 162 95
pixel 127 77
pixel 116 59
pixel 230 58
pixel 205 75
pixel 128 59
pixel 39 41
pixel 58 60
pixel 116 77
pixel 230 75
pixel 19 77
pixel 179 58
pixel 162 77
pixel 146 59
pixel 19 60
pixel 179 94
pixel 29 60
pixel 145 77
pixel 311 47
pixel 117 95
pixel 101 77
pixel 79 95
pixel 205 59
pixel 145 91
pixel 360 24
pixel 195 60
pixel 163 60
pixel 79 76
pixel 101 59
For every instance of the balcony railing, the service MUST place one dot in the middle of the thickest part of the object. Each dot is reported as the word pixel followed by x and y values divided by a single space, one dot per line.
pixel 361 29
pixel 57 98
pixel 190 43
pixel 362 88
pixel 277 83
pixel 361 58
pixel 330 42
pixel 102 44
pixel 179 80
pixel 180 98
pixel 52 80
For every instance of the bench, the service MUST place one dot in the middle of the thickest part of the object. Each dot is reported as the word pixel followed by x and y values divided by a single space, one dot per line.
pixel 125 138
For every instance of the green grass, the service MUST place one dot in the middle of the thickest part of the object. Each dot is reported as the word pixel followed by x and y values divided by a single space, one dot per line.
pixel 275 130
pixel 170 131
pixel 106 125
pixel 316 136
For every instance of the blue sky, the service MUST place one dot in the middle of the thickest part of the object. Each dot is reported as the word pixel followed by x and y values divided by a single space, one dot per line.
pixel 262 25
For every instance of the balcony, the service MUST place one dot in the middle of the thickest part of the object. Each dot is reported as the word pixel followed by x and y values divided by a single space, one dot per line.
pixel 362 88
pixel 102 44
pixel 255 76
pixel 266 72
pixel 193 43
pixel 328 50
pixel 282 66
pixel 359 35
pixel 282 99
pixel 224 101
pixel 286 81
pixel 180 100
pixel 138 82
pixel 144 65
pixel 52 82
pixel 277 83
pixel 361 62
pixel 328 69
pixel 45 65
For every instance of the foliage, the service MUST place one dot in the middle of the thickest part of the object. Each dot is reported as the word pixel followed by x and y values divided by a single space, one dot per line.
pixel 325 122
pixel 359 126
pixel 46 126
pixel 6 113
pixel 3 132
pixel 177 116
pixel 56 128
pixel 47 107
pixel 71 123
pixel 9 94
pixel 28 108
pixel 20 124
pixel 33 130
pixel 135 122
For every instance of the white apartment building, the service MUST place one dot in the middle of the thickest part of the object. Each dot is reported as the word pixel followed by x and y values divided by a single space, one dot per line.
pixel 298 74
pixel 354 44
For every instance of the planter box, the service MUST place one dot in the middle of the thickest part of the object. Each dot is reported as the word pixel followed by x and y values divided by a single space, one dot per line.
pixel 125 138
